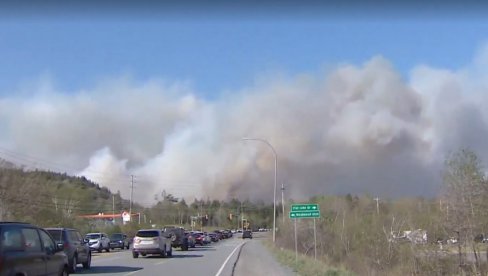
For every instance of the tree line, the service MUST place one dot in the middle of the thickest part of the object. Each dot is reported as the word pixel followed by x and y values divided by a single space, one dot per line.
pixel 51 199
pixel 361 234
pixel 355 232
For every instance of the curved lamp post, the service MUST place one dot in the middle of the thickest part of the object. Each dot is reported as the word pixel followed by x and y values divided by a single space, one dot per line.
pixel 275 176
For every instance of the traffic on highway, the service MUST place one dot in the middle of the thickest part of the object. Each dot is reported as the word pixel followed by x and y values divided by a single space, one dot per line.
pixel 30 250
pixel 217 258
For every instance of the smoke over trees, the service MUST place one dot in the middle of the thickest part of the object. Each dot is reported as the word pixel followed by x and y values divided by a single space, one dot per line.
pixel 353 129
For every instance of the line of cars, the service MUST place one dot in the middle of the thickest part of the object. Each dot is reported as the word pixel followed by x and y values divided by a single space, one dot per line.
pixel 79 249
pixel 162 241
pixel 26 249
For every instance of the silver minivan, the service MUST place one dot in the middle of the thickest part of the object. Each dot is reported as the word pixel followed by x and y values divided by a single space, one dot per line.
pixel 151 241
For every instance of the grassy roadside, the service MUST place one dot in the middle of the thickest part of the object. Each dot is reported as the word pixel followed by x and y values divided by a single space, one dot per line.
pixel 305 266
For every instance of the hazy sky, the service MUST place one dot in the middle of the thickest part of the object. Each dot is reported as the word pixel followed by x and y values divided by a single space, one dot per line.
pixel 355 98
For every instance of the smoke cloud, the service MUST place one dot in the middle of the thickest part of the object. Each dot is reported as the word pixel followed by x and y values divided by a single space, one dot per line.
pixel 354 129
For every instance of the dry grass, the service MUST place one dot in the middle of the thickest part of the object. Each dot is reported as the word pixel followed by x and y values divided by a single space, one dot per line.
pixel 305 266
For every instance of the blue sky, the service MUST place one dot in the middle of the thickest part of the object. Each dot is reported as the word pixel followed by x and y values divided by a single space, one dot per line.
pixel 219 54
pixel 408 124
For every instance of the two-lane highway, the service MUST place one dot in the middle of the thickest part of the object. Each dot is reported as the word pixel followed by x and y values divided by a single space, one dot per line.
pixel 215 259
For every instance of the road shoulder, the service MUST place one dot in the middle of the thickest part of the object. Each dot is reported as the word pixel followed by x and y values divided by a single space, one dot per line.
pixel 256 259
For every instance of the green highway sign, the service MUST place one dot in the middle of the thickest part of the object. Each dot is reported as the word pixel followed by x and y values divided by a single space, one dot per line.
pixel 305 211
pixel 304 207
pixel 306 214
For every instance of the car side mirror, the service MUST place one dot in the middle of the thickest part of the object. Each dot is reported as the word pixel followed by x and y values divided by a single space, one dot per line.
pixel 59 247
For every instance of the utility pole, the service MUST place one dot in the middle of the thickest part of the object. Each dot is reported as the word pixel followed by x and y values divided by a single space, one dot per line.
pixel 201 214
pixel 283 201
pixel 131 193
pixel 113 209
pixel 377 205
pixel 238 215
pixel 242 218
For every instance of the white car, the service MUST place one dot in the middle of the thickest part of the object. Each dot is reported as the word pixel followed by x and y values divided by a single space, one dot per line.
pixel 98 241
pixel 151 241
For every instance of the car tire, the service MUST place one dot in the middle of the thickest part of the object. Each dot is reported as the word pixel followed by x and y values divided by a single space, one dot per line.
pixel 72 264
pixel 87 263
pixel 64 271
pixel 135 255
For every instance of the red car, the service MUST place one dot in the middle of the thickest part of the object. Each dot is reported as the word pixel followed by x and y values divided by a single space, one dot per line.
pixel 198 237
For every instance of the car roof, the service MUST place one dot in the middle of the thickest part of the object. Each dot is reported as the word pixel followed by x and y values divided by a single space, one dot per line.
pixel 59 228
pixel 14 222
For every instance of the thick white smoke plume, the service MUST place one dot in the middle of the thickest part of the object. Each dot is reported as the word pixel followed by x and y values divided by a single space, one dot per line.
pixel 355 129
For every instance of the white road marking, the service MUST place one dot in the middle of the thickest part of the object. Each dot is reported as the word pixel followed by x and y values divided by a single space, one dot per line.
pixel 228 258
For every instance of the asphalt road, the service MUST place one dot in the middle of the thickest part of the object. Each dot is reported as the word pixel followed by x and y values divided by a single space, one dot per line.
pixel 216 259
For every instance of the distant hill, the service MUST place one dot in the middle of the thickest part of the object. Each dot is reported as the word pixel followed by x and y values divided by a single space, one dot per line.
pixel 52 199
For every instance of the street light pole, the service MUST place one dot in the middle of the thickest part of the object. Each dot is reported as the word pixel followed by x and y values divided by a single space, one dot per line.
pixel 275 179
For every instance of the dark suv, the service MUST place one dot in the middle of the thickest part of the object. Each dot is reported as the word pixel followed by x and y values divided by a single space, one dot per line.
pixel 247 234
pixel 75 247
pixel 119 240
pixel 178 237
pixel 26 249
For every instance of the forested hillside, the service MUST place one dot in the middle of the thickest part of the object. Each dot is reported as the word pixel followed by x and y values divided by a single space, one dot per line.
pixel 49 198
pixel 404 236
pixel 54 199
pixel 359 232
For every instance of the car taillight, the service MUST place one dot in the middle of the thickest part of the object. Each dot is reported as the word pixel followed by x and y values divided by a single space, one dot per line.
pixel 136 240
pixel 156 239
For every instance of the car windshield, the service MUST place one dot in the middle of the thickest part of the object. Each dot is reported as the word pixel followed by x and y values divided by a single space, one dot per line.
pixel 93 236
pixel 147 234
pixel 56 234
pixel 116 237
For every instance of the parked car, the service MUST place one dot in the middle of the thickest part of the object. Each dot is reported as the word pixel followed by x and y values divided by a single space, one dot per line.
pixel 98 241
pixel 226 234
pixel 73 244
pixel 198 236
pixel 178 237
pixel 26 249
pixel 206 238
pixel 191 240
pixel 213 237
pixel 119 240
pixel 247 234
pixel 219 234
pixel 151 241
